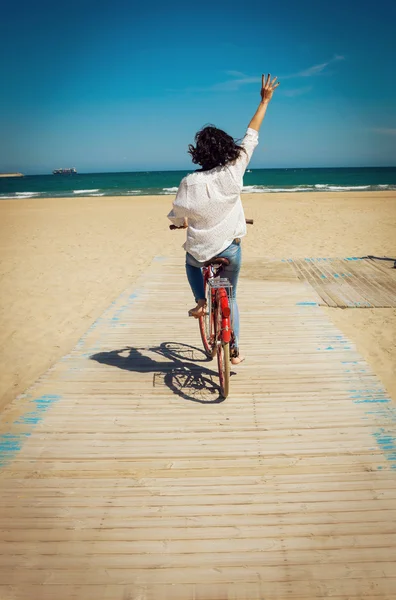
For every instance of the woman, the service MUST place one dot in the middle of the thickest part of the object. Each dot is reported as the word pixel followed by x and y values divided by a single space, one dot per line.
pixel 208 204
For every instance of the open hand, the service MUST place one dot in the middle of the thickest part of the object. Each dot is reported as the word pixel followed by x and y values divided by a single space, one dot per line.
pixel 268 87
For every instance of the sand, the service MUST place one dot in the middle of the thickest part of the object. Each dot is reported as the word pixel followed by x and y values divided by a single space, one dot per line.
pixel 63 261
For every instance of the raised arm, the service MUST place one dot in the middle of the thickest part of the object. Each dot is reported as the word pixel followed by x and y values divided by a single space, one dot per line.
pixel 250 140
pixel 267 89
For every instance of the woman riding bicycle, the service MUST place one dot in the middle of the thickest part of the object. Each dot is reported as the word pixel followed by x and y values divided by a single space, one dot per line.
pixel 208 204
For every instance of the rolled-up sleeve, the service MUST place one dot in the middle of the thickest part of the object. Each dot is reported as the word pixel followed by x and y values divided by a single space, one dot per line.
pixel 179 211
pixel 248 144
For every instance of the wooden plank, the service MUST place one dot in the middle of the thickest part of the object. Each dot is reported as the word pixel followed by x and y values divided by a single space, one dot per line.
pixel 340 590
pixel 382 573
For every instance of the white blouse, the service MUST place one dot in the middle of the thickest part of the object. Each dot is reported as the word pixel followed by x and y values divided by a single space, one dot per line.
pixel 211 201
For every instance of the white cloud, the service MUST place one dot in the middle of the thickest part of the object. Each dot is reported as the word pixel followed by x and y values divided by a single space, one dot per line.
pixel 240 79
pixel 235 74
pixel 297 91
pixel 384 130
pixel 234 84
pixel 315 69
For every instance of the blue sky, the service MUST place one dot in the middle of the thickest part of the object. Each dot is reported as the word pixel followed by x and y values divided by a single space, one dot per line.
pixel 121 85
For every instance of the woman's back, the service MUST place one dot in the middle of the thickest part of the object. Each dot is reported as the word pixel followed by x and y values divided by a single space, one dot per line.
pixel 211 202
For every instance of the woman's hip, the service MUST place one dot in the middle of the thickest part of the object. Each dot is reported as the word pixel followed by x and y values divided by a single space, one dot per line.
pixel 233 252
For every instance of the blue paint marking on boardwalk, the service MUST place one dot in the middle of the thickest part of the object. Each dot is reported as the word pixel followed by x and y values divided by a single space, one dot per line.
pixel 380 408
pixel 307 304
pixel 42 403
pixel 118 313
pixel 385 436
pixel 11 443
pixel 371 400
pixel 386 440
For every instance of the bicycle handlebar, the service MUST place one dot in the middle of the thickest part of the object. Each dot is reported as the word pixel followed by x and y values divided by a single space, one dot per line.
pixel 172 227
pixel 176 227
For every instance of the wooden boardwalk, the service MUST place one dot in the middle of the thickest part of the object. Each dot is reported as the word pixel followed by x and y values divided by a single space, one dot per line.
pixel 125 477
pixel 350 282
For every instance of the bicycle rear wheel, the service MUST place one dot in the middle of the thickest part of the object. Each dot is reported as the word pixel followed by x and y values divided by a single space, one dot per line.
pixel 223 362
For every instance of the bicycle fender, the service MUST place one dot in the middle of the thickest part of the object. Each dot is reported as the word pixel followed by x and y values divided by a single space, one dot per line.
pixel 225 330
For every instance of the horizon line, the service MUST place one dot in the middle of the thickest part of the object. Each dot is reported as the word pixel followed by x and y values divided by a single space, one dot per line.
pixel 192 170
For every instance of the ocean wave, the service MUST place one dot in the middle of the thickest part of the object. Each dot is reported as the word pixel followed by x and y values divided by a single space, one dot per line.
pixel 103 194
pixel 300 188
pixel 170 190
pixel 132 192
pixel 347 188
pixel 26 194
pixel 85 191
pixel 318 187
pixel 254 189
pixel 20 195
pixel 262 189
pixel 327 186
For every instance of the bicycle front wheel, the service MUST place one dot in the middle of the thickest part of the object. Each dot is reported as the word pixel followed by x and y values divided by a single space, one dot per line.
pixel 206 326
pixel 223 363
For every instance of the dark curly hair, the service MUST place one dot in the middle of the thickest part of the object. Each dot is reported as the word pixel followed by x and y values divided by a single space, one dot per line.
pixel 213 148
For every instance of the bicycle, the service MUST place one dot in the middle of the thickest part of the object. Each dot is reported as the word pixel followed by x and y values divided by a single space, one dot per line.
pixel 216 325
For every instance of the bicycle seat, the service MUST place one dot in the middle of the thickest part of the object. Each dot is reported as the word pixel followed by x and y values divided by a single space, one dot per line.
pixel 218 261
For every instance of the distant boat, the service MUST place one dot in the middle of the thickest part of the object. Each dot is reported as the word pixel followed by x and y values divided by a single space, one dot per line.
pixel 71 171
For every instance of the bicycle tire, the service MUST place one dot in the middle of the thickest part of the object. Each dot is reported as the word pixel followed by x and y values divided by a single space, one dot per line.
pixel 206 327
pixel 205 342
pixel 223 354
pixel 223 363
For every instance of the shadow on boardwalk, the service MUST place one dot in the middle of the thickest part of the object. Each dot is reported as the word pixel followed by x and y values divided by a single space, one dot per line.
pixel 182 370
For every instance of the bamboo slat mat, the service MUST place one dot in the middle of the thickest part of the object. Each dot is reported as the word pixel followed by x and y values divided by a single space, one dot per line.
pixel 349 282
pixel 125 477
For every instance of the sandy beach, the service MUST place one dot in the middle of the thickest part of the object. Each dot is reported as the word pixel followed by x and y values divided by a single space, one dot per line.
pixel 63 261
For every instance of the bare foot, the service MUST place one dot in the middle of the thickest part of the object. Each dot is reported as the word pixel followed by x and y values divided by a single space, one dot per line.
pixel 198 311
pixel 236 360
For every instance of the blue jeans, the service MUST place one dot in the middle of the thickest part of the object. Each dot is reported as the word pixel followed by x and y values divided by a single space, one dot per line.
pixel 195 279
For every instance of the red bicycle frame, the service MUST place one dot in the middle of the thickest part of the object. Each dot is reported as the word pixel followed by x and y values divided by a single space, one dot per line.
pixel 218 298
pixel 225 316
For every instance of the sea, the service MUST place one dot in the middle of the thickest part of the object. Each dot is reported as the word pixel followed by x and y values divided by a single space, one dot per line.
pixel 269 181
